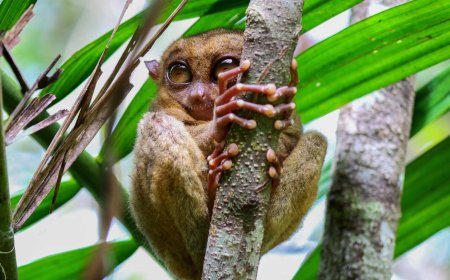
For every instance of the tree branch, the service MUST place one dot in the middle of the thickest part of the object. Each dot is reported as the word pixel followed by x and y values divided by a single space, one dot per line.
pixel 237 225
pixel 363 206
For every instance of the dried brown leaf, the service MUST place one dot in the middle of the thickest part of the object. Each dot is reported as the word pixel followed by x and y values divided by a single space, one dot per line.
pixel 37 106
pixel 42 124
pixel 11 38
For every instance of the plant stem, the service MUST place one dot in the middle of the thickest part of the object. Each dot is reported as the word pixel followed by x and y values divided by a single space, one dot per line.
pixel 237 226
pixel 8 265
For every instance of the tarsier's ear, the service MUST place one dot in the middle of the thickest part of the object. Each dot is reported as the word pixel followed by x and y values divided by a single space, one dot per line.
pixel 153 68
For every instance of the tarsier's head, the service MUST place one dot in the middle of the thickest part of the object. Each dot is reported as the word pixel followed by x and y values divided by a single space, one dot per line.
pixel 189 68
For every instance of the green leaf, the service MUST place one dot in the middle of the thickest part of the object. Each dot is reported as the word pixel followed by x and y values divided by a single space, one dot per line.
pixel 225 19
pixel 325 180
pixel 432 101
pixel 426 197
pixel 124 134
pixel 72 264
pixel 310 267
pixel 11 11
pixel 425 204
pixel 198 8
pixel 316 12
pixel 68 190
pixel 372 54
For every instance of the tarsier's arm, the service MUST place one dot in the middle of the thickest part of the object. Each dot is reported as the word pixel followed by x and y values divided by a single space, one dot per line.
pixel 171 191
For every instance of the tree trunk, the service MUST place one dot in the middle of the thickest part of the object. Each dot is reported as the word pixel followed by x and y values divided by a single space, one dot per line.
pixel 8 266
pixel 237 225
pixel 363 206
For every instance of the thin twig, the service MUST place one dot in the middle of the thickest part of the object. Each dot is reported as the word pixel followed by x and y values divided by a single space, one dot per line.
pixel 9 59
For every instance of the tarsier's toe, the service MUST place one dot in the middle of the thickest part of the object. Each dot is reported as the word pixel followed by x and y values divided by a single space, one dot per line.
pixel 224 77
pixel 288 92
pixel 217 164
pixel 294 73
pixel 275 168
pixel 282 124
pixel 230 152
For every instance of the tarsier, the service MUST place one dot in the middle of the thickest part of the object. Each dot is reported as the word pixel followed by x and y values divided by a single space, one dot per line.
pixel 179 149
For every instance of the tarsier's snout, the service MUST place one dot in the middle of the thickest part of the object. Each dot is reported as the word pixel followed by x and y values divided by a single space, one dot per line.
pixel 201 101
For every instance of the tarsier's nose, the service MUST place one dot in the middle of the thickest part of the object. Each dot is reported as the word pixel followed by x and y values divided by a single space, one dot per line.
pixel 199 93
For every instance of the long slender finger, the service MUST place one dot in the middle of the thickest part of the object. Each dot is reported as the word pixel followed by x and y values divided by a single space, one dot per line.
pixel 232 118
pixel 294 74
pixel 226 76
pixel 282 124
pixel 230 152
pixel 214 176
pixel 274 169
pixel 287 92
pixel 217 150
pixel 285 109
pixel 213 182
pixel 268 90
pixel 267 110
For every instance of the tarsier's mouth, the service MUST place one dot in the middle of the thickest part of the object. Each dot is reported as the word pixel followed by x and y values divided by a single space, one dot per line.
pixel 203 111
pixel 201 107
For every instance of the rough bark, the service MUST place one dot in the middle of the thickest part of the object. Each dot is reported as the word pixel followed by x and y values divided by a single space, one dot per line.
pixel 237 225
pixel 8 266
pixel 363 206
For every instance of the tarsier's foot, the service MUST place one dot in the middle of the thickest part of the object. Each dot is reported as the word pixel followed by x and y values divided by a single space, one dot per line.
pixel 226 103
pixel 219 161
pixel 275 168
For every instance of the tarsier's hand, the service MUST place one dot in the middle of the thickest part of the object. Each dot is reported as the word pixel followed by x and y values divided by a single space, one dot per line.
pixel 227 102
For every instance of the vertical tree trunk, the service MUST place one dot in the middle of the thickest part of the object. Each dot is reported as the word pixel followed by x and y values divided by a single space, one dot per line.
pixel 8 266
pixel 237 225
pixel 363 206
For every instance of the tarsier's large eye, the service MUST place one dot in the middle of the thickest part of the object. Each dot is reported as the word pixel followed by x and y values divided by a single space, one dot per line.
pixel 224 65
pixel 179 73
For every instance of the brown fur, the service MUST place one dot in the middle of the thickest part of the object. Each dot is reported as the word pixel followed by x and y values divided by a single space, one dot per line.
pixel 168 196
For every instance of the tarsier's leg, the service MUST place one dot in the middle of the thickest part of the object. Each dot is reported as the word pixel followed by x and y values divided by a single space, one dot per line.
pixel 169 199
pixel 297 189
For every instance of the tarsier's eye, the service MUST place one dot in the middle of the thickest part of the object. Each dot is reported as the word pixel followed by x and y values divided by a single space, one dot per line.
pixel 224 65
pixel 179 74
